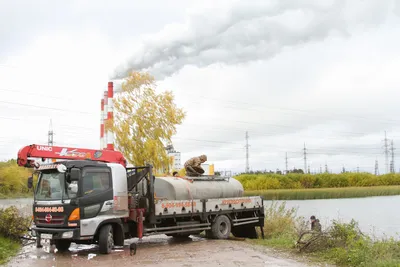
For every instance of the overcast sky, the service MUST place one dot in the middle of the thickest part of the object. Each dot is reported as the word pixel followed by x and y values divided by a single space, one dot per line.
pixel 323 73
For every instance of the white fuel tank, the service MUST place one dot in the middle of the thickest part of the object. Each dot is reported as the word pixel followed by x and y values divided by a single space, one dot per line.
pixel 174 188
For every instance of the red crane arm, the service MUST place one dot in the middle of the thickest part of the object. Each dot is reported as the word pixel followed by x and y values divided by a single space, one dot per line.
pixel 69 153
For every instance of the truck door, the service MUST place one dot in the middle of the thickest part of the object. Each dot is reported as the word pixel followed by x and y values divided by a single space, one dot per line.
pixel 96 189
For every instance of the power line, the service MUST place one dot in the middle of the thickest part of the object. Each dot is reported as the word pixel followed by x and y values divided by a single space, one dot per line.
pixel 36 94
pixel 291 110
pixel 49 108
pixel 311 113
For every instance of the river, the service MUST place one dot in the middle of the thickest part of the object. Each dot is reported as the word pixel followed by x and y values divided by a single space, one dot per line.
pixel 377 216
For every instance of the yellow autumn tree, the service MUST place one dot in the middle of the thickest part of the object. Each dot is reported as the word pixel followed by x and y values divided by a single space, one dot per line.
pixel 144 121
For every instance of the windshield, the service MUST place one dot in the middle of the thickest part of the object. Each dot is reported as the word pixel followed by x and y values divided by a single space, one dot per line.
pixel 52 186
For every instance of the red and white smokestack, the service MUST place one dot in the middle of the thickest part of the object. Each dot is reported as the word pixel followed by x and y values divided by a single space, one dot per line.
pixel 110 108
pixel 105 119
pixel 102 125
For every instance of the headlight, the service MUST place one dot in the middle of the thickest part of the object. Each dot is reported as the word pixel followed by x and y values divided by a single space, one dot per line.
pixel 68 234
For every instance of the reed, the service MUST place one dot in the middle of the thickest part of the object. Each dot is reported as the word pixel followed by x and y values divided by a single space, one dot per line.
pixel 268 181
pixel 325 193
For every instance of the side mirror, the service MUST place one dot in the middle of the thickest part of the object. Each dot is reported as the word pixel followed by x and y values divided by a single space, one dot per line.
pixel 30 182
pixel 75 174
pixel 73 188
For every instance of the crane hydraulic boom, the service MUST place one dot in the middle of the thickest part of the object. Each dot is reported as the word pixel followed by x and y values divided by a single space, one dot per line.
pixel 69 153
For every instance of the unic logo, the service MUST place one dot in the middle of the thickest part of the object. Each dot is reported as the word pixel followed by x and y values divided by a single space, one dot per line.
pixel 44 148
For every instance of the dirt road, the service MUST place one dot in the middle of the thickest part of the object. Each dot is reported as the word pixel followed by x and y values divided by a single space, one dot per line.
pixel 158 251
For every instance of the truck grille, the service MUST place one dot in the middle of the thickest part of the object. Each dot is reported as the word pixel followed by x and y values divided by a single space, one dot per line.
pixel 54 220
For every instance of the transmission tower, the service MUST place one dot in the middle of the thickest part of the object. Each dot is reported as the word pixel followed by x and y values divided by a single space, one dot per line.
pixel 392 149
pixel 286 162
pixel 326 167
pixel 247 153
pixel 50 134
pixel 305 158
pixel 386 145
pixel 376 167
pixel 50 138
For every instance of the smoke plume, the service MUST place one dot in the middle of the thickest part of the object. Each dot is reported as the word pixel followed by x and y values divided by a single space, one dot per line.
pixel 250 31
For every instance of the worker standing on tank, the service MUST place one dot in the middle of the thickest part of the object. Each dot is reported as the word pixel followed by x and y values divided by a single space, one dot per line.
pixel 193 166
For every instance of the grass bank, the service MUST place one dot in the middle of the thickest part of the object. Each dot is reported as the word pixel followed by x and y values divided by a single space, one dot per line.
pixel 268 181
pixel 325 193
pixel 8 249
pixel 342 244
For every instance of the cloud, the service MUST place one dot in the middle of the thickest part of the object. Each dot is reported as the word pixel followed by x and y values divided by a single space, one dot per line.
pixel 250 31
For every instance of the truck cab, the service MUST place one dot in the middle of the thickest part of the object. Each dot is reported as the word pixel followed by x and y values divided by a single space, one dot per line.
pixel 73 199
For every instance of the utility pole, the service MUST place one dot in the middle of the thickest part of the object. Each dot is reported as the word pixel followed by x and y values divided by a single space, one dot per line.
pixel 320 168
pixel 386 154
pixel 286 161
pixel 376 167
pixel 392 162
pixel 326 168
pixel 308 169
pixel 305 158
pixel 247 153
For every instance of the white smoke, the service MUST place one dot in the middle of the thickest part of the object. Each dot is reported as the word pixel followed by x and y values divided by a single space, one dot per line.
pixel 249 31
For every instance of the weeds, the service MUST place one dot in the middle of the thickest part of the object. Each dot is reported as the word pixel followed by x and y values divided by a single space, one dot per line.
pixel 323 180
pixel 325 193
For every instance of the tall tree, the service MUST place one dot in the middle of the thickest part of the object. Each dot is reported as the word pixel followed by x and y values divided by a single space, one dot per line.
pixel 144 121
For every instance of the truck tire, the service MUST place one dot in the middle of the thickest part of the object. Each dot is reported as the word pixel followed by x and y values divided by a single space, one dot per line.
pixel 106 239
pixel 221 227
pixel 62 245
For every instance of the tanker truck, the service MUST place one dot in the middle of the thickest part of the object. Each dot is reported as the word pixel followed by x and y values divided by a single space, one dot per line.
pixel 91 197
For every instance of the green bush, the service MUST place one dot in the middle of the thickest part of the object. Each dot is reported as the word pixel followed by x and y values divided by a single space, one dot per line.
pixel 12 224
pixel 13 179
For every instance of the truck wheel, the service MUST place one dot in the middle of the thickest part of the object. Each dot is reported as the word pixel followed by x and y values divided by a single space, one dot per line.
pixel 221 227
pixel 62 245
pixel 106 239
